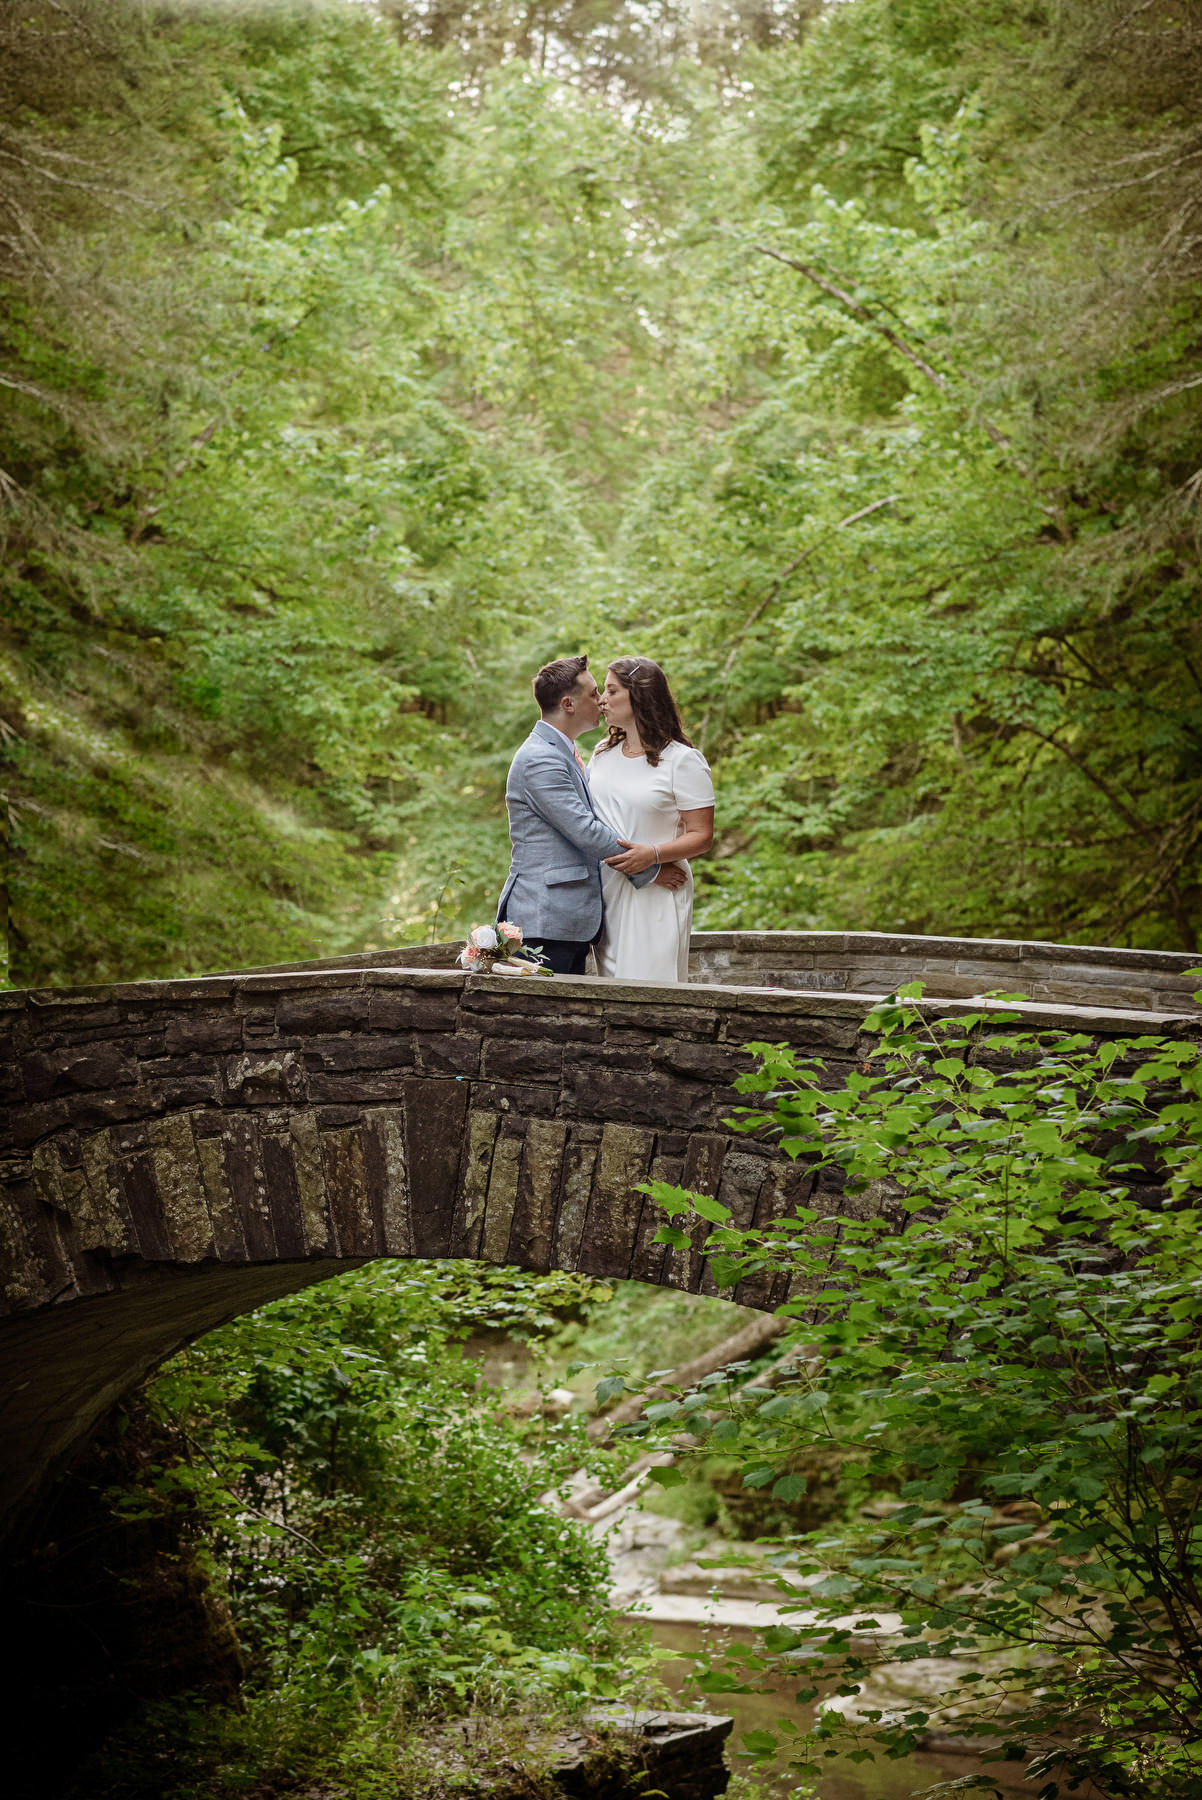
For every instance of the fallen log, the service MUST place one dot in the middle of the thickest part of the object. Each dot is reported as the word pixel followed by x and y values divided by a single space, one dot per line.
pixel 741 1346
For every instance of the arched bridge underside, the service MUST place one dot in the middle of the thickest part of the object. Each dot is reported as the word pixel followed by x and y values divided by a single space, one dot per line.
pixel 177 1152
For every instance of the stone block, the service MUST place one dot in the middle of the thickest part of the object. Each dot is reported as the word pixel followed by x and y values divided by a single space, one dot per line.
pixel 361 1087
pixel 265 1078
pixel 482 1128
pixel 1075 993
pixel 716 1064
pixel 1177 999
pixel 321 1014
pixel 334 1118
pixel 701 1173
pixel 394 1052
pixel 410 1009
pixel 785 1186
pixel 383 1136
pixel 824 981
pixel 89 1112
pixel 136 1175
pixel 543 1002
pixel 581 1151
pixel 130 1136
pixel 742 1177
pixel 533 1226
pixel 78 1069
pixel 813 1034
pixel 615 1207
pixel 435 1129
pixel 229 1239
pixel 524 1060
pixel 213 1031
pixel 537 1101
pixel 438 1054
pixel 310 1180
pixel 566 1027
pixel 66 1190
pixel 630 1050
pixel 283 1192
pixel 171 1094
pixel 180 1187
pixel 22 1126
pixel 997 971
pixel 246 1180
pixel 114 1228
pixel 651 1098
pixel 667 1164
pixel 502 1192
pixel 344 1167
pixel 33 1263
pixel 258 1025
pixel 661 1018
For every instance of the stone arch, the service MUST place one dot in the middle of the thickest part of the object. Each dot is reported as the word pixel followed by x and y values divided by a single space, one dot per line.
pixel 178 1152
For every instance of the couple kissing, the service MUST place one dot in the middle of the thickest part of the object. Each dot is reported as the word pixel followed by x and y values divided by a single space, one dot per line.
pixel 601 854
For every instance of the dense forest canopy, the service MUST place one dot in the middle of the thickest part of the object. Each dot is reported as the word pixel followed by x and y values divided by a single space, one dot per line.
pixel 356 359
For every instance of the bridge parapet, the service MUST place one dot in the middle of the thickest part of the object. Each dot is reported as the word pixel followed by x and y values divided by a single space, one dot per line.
pixel 1082 975
pixel 876 962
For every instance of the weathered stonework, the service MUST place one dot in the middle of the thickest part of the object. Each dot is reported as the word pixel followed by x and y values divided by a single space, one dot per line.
pixel 176 1152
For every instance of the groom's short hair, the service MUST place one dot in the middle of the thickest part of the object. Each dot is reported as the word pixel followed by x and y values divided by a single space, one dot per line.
pixel 555 679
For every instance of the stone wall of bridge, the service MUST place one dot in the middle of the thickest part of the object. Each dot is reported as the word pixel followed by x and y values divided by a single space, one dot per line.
pixel 177 1152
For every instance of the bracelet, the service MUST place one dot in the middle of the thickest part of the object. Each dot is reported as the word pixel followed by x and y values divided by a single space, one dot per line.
pixel 655 847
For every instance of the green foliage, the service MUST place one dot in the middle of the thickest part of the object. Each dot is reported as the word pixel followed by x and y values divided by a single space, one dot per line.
pixel 355 360
pixel 373 1519
pixel 1004 1331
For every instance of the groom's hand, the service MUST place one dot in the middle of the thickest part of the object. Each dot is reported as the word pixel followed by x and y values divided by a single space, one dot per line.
pixel 671 876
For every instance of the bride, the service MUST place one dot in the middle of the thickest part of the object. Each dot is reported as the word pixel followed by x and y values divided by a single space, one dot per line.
pixel 656 792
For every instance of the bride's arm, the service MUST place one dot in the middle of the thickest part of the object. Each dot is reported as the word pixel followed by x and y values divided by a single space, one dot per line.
pixel 694 839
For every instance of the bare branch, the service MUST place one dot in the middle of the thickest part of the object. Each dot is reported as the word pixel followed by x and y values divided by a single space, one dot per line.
pixel 899 343
pixel 748 1341
pixel 1117 187
pixel 860 312
pixel 37 393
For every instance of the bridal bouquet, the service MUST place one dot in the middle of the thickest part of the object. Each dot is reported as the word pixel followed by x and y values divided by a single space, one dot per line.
pixel 499 949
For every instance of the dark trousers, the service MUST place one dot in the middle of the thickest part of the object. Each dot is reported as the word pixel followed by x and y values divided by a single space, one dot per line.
pixel 566 956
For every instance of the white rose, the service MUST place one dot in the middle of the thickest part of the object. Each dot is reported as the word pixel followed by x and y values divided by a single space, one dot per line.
pixel 484 937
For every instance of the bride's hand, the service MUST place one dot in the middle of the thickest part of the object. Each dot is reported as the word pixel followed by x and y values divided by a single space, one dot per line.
pixel 634 858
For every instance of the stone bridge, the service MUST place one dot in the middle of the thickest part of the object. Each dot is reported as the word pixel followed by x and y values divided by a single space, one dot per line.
pixel 177 1152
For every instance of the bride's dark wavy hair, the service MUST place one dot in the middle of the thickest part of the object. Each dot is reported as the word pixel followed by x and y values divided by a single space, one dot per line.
pixel 656 713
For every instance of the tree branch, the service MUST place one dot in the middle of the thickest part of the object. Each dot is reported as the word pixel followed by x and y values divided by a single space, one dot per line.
pixel 899 343
pixel 778 582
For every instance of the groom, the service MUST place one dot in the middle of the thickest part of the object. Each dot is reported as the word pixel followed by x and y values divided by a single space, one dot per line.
pixel 553 890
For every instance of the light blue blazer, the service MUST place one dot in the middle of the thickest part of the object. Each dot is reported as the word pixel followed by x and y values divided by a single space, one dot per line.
pixel 553 889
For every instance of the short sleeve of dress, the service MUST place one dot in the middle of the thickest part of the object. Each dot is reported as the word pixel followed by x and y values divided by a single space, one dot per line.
pixel 692 783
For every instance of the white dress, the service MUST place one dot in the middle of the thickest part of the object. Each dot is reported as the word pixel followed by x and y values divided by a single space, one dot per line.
pixel 646 935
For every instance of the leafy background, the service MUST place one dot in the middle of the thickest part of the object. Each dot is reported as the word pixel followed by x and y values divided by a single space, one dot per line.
pixel 357 359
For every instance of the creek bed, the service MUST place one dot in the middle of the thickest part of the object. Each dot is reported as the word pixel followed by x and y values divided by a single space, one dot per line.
pixel 841 1780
